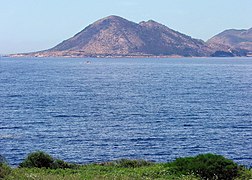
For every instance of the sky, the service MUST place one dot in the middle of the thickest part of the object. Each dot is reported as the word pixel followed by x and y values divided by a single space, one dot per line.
pixel 32 25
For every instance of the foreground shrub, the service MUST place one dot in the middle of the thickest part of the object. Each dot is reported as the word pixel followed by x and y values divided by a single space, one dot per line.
pixel 207 166
pixel 40 159
pixel 37 159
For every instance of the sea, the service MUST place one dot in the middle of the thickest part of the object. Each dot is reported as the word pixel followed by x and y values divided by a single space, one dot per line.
pixel 85 110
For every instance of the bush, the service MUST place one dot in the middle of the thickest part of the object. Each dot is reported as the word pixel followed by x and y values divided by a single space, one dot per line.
pixel 37 159
pixel 207 166
pixel 40 159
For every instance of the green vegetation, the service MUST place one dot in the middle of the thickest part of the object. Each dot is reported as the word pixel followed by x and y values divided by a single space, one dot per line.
pixel 37 160
pixel 40 159
pixel 127 163
pixel 41 166
pixel 4 168
pixel 207 166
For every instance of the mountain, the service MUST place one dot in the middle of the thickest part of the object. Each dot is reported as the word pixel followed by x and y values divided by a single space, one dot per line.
pixel 114 36
pixel 237 40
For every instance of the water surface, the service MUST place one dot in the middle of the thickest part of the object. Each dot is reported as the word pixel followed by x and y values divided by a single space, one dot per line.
pixel 154 109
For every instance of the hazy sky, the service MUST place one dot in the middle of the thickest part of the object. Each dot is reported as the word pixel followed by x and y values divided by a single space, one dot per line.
pixel 30 25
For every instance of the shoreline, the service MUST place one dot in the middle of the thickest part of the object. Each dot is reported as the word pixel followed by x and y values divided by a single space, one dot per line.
pixel 121 57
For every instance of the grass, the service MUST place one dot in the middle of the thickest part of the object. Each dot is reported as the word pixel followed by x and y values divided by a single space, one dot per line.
pixel 95 171
pixel 155 171
pixel 189 168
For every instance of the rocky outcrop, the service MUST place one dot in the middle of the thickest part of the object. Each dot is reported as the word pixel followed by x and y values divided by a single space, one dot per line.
pixel 237 41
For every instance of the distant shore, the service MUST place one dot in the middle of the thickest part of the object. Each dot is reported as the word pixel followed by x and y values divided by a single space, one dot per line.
pixel 115 56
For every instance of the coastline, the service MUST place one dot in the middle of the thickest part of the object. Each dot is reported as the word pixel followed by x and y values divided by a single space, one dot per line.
pixel 115 56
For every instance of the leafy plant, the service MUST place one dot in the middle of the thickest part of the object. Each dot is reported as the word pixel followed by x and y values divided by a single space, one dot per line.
pixel 207 166
pixel 37 159
pixel 40 159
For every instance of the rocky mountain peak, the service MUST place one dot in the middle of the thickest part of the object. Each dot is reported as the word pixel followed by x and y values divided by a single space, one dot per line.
pixel 151 24
pixel 112 20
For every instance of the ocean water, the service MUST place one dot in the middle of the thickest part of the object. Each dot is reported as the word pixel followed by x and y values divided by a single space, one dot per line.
pixel 153 109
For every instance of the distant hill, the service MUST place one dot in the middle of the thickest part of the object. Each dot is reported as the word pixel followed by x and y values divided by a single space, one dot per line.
pixel 237 40
pixel 115 36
